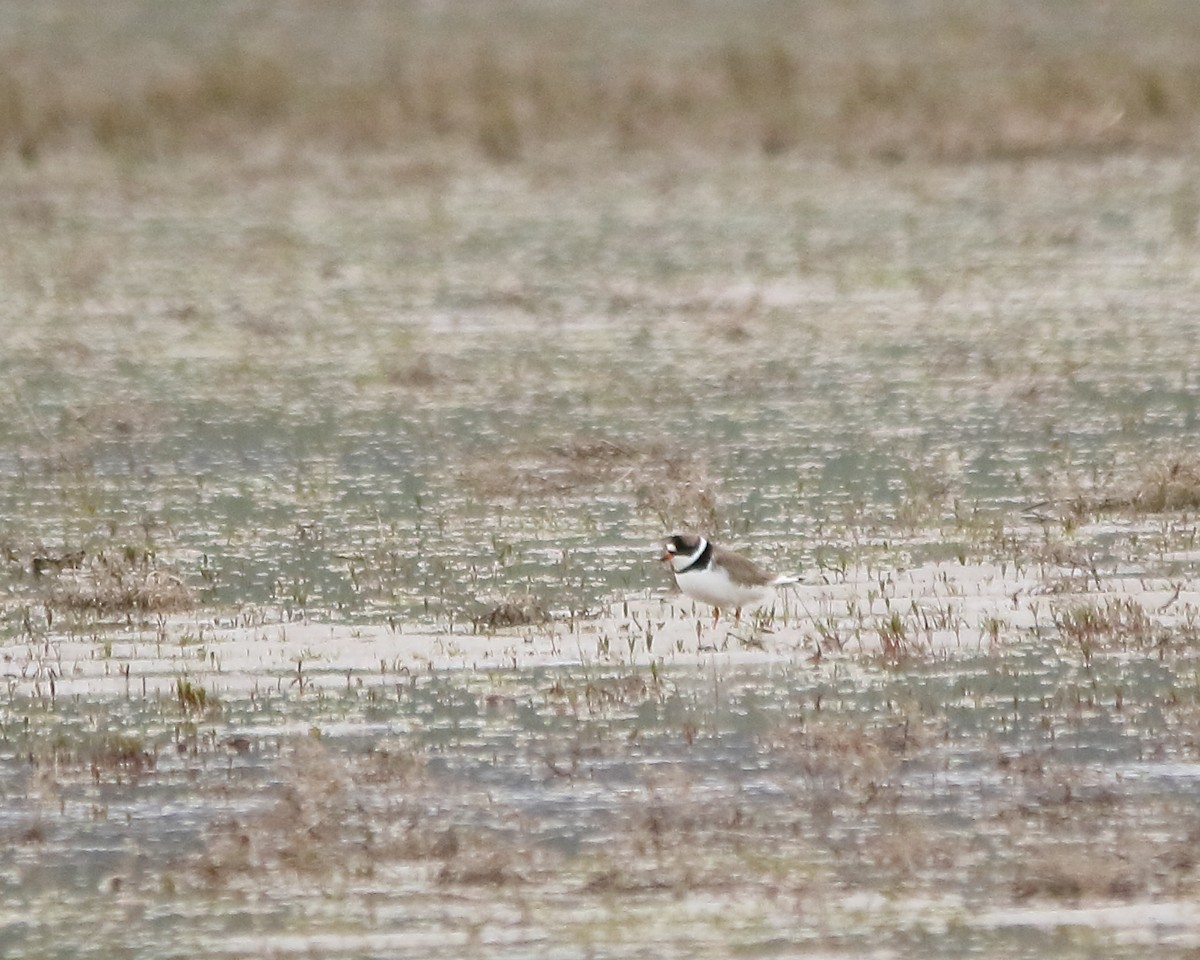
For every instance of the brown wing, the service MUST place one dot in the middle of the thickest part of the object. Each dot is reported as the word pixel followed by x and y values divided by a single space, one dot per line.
pixel 741 569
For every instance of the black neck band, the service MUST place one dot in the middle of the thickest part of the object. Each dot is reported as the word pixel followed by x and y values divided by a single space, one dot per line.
pixel 700 561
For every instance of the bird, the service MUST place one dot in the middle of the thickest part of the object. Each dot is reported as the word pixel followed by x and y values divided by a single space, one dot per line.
pixel 718 577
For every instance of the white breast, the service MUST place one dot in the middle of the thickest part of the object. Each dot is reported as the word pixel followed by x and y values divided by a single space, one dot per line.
pixel 713 586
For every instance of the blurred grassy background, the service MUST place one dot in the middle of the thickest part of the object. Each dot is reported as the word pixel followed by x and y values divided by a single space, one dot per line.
pixel 851 79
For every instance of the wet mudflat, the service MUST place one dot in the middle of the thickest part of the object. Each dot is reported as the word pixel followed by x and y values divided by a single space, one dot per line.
pixel 331 476
pixel 1004 799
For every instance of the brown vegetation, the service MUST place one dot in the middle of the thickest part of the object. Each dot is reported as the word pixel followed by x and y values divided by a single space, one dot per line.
pixel 1168 484
pixel 516 612
pixel 510 81
pixel 670 484
pixel 112 580
pixel 120 582
pixel 102 758
pixel 1173 484
pixel 1075 872
pixel 336 820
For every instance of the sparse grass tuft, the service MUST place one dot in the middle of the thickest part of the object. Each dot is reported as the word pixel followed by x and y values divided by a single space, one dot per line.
pixel 682 503
pixel 192 698
pixel 663 481
pixel 120 582
pixel 1075 872
pixel 840 761
pixel 894 637
pixel 104 757
pixel 1169 486
pixel 340 818
pixel 1164 486
pixel 601 693
pixel 1112 625
pixel 519 612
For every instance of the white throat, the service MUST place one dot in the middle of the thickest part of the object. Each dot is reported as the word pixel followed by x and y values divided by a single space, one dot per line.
pixel 681 562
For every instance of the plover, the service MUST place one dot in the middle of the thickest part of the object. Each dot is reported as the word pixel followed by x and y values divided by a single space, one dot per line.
pixel 719 577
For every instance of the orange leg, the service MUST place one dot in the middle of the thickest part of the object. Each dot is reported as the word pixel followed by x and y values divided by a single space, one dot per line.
pixel 737 615
pixel 716 615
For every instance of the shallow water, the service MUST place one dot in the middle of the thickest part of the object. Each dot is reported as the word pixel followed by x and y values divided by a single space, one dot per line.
pixel 349 443
pixel 769 773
